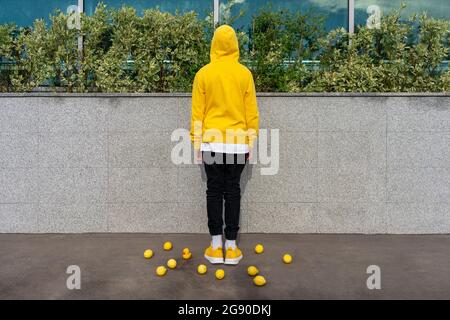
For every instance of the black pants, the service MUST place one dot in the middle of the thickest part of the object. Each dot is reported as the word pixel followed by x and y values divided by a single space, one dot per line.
pixel 223 172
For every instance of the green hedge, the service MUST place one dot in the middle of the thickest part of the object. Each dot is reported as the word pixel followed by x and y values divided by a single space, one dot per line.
pixel 160 52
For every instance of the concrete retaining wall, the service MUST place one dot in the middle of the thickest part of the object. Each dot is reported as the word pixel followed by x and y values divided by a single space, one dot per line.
pixel 348 164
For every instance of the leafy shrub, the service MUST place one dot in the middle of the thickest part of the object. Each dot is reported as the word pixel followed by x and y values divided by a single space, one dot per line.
pixel 140 49
pixel 122 52
pixel 280 36
pixel 31 56
pixel 97 39
pixel 393 58
pixel 161 52
pixel 6 50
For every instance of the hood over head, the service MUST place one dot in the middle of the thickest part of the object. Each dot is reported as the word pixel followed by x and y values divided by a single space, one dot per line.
pixel 224 45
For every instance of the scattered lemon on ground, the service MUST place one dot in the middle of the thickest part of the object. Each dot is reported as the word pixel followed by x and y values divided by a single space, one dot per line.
pixel 259 248
pixel 167 246
pixel 172 263
pixel 259 281
pixel 161 271
pixel 148 254
pixel 202 269
pixel 187 256
pixel 287 258
pixel 220 274
pixel 252 271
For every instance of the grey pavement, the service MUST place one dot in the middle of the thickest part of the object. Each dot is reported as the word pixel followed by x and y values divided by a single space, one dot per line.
pixel 325 267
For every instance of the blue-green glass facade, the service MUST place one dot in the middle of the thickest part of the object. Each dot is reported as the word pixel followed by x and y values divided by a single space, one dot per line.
pixel 202 7
pixel 334 11
pixel 433 8
pixel 24 12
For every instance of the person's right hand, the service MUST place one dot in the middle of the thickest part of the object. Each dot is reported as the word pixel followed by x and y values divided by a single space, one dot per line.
pixel 250 154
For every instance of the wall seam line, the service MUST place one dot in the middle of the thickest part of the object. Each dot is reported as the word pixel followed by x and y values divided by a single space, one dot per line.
pixel 385 218
pixel 108 167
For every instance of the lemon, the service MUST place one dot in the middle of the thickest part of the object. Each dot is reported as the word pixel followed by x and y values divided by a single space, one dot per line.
pixel 287 258
pixel 220 274
pixel 202 269
pixel 259 281
pixel 167 246
pixel 259 248
pixel 161 271
pixel 148 254
pixel 252 271
pixel 172 263
pixel 187 256
pixel 186 251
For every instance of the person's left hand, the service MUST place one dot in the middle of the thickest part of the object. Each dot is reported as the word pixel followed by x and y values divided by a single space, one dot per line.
pixel 198 157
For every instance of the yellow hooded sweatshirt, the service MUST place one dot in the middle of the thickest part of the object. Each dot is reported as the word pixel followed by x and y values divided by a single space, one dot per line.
pixel 224 107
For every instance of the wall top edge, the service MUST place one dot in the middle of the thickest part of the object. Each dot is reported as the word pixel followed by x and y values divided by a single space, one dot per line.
pixel 188 95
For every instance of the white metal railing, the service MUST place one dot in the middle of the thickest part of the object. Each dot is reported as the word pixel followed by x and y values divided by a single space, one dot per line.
pixel 216 12
pixel 80 38
pixel 351 16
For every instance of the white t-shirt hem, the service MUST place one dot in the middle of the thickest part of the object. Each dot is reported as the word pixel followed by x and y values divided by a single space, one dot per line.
pixel 238 148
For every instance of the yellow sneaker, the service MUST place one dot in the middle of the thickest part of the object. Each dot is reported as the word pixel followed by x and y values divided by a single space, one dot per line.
pixel 233 256
pixel 214 256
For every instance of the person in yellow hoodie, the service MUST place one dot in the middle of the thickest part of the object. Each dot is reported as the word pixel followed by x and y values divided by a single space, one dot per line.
pixel 224 127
